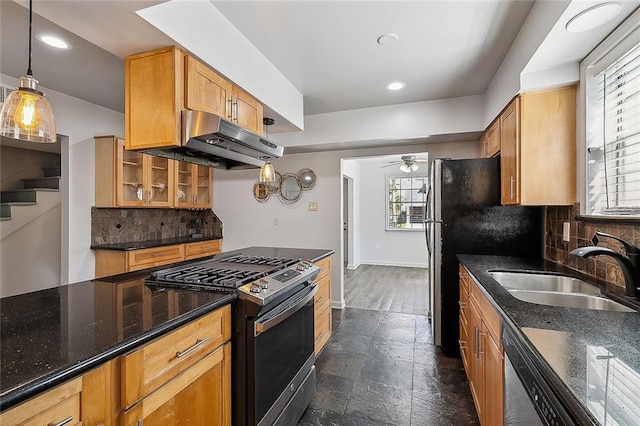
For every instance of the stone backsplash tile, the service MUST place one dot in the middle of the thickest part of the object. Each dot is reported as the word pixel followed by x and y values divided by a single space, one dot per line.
pixel 601 267
pixel 114 225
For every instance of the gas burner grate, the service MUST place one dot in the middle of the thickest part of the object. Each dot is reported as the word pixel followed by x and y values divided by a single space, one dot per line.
pixel 259 260
pixel 223 277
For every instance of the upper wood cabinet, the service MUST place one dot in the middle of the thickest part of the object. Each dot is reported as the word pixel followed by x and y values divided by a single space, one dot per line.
pixel 160 84
pixel 490 141
pixel 537 148
pixel 193 185
pixel 131 179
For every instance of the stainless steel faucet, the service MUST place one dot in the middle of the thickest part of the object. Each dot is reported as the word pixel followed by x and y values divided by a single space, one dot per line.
pixel 629 262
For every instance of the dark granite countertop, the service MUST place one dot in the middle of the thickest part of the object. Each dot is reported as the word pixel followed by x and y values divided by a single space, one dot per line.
pixel 584 354
pixel 50 336
pixel 137 245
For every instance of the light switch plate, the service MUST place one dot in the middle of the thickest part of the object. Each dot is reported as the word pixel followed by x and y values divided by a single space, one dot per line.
pixel 566 228
pixel 313 206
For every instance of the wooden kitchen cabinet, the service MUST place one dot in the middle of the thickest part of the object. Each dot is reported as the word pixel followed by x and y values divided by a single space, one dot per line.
pixel 322 305
pixel 483 355
pixel 537 148
pixel 160 84
pixel 113 262
pixel 489 143
pixel 193 183
pixel 181 378
pixel 131 179
pixel 90 399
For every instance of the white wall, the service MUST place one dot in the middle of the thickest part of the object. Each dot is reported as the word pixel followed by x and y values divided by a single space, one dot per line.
pixel 250 223
pixel 351 169
pixel 80 121
pixel 379 246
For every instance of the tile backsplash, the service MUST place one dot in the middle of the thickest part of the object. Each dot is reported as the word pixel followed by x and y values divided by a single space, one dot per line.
pixel 114 225
pixel 581 232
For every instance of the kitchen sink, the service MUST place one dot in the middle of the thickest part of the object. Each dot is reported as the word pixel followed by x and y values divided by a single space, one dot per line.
pixel 570 300
pixel 543 282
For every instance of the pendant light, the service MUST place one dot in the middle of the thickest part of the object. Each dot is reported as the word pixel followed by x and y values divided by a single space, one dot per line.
pixel 26 114
pixel 267 172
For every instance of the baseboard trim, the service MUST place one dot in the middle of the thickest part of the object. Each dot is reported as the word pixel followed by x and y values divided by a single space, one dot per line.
pixel 338 304
pixel 349 266
pixel 403 264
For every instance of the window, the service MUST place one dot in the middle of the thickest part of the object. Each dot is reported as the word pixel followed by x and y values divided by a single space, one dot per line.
pixel 406 202
pixel 613 127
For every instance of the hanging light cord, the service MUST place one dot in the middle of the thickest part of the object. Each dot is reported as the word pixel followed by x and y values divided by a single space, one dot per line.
pixel 29 72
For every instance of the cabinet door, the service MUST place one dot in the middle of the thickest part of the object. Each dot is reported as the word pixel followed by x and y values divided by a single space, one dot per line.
pixel 159 184
pixel 510 153
pixel 464 327
pixel 475 360
pixel 492 140
pixel 184 195
pixel 130 190
pixel 199 396
pixel 493 381
pixel 206 90
pixel 202 186
pixel 154 93
pixel 247 111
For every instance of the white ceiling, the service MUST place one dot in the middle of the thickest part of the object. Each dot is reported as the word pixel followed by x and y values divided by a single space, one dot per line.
pixel 326 49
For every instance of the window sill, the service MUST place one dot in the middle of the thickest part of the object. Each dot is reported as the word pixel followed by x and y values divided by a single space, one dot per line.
pixel 609 218
pixel 405 229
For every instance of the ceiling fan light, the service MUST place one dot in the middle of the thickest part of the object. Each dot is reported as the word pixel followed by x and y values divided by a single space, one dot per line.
pixel 406 168
pixel 27 115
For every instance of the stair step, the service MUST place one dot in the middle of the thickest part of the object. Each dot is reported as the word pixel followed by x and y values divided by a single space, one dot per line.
pixel 52 171
pixel 22 197
pixel 42 183
pixel 5 212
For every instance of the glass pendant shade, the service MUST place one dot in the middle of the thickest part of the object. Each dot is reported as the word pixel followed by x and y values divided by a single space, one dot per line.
pixel 27 115
pixel 267 173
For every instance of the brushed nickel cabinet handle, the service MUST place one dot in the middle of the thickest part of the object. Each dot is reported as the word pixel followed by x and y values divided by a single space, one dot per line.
pixel 484 148
pixel 320 298
pixel 512 190
pixel 192 348
pixel 62 422
pixel 230 116
pixel 462 304
pixel 320 336
pixel 462 344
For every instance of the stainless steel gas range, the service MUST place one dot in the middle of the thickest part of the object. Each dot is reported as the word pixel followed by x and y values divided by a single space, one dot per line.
pixel 273 320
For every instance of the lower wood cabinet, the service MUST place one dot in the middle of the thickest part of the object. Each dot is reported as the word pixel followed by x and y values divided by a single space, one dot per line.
pixel 113 262
pixel 87 400
pixel 183 377
pixel 482 352
pixel 322 305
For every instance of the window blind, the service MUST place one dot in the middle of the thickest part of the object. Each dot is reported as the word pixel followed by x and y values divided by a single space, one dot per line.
pixel 613 137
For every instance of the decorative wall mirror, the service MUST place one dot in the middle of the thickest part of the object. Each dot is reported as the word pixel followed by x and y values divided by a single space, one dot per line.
pixel 307 179
pixel 290 188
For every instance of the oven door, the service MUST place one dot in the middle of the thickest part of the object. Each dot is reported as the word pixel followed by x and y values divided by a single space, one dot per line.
pixel 280 355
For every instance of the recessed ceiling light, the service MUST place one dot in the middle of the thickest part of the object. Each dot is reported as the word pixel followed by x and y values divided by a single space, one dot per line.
pixel 53 41
pixel 593 17
pixel 387 39
pixel 396 85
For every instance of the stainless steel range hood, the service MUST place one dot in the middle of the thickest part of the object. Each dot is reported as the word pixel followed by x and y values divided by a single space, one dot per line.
pixel 212 141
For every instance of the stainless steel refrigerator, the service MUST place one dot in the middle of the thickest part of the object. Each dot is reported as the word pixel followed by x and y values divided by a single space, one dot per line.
pixel 464 216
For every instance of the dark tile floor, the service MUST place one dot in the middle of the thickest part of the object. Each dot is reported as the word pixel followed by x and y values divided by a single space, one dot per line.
pixel 380 368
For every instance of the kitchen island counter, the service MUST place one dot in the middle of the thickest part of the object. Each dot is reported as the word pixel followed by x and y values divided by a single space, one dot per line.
pixel 50 336
pixel 590 358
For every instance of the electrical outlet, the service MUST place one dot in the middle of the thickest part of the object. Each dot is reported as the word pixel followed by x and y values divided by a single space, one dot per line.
pixel 566 229
pixel 377 245
pixel 313 206
pixel 276 221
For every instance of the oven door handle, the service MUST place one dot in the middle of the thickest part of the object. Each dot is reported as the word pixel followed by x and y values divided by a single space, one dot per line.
pixel 262 325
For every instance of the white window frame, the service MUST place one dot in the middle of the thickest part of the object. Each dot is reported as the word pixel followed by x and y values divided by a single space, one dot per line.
pixel 387 218
pixel 621 41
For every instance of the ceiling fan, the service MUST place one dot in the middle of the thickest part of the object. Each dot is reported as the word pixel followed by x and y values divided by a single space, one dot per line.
pixel 408 163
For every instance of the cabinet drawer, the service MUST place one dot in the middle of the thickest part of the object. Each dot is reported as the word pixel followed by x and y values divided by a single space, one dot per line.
pixel 325 267
pixel 149 367
pixel 322 329
pixel 202 248
pixel 146 258
pixel 51 407
pixel 322 299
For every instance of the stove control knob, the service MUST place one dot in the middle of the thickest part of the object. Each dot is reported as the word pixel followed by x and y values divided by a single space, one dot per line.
pixel 300 267
pixel 264 283
pixel 254 289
